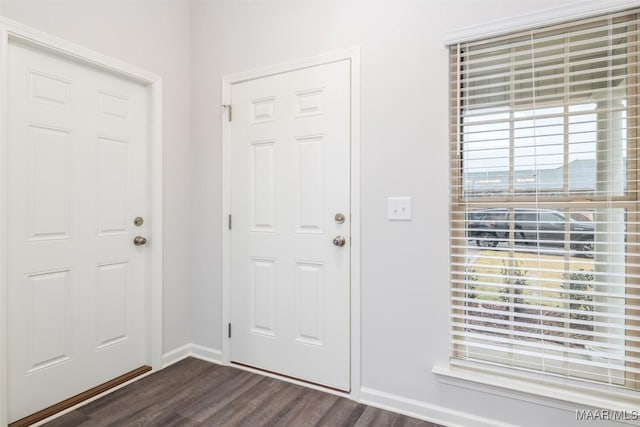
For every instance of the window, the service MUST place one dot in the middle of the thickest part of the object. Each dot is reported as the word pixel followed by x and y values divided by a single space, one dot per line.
pixel 545 211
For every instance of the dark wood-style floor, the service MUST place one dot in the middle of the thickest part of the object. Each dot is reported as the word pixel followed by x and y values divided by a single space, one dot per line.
pixel 193 393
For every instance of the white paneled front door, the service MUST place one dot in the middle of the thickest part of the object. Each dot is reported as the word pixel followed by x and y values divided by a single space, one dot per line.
pixel 77 174
pixel 290 237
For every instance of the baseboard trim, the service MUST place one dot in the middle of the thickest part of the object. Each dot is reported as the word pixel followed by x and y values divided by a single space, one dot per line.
pixel 207 354
pixel 176 355
pixel 191 350
pixel 425 411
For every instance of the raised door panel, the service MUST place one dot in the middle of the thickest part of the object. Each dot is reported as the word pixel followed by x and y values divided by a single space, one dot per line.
pixel 263 110
pixel 262 305
pixel 262 192
pixel 48 320
pixel 309 303
pixel 113 169
pixel 50 90
pixel 309 102
pixel 50 183
pixel 310 184
pixel 113 106
pixel 113 281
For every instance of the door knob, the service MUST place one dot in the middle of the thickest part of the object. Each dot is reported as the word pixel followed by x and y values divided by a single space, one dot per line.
pixel 139 241
pixel 339 241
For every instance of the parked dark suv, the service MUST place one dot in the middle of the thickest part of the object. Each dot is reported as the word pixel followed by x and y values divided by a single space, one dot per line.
pixel 530 226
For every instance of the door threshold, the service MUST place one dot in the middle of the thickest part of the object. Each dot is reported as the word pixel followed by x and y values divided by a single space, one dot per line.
pixel 290 379
pixel 79 398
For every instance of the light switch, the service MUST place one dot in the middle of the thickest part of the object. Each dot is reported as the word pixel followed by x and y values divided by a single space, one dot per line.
pixel 399 208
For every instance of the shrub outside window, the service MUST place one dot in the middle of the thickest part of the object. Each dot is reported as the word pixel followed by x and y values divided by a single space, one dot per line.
pixel 545 269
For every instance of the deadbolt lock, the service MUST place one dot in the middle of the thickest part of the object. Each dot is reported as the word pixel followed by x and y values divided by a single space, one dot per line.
pixel 138 221
pixel 339 218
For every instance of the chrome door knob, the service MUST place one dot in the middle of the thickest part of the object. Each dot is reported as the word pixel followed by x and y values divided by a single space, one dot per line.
pixel 139 241
pixel 339 241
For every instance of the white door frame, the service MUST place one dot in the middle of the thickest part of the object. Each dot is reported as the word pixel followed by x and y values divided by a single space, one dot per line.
pixel 14 31
pixel 352 55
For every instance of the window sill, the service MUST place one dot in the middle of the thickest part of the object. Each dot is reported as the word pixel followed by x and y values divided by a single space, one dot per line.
pixel 534 388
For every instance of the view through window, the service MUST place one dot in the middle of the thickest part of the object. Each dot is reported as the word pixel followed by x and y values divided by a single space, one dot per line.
pixel 544 205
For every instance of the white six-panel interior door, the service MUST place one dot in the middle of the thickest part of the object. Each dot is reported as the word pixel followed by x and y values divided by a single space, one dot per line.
pixel 290 207
pixel 77 178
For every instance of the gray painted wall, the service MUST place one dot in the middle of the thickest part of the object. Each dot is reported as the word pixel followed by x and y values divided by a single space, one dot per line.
pixel 155 36
pixel 404 129
pixel 404 152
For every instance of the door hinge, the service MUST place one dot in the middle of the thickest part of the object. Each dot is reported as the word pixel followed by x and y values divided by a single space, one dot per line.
pixel 229 109
pixel 229 221
pixel 229 327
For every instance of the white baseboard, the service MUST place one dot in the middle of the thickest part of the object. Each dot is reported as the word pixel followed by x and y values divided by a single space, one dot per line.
pixel 176 355
pixel 191 350
pixel 425 411
pixel 206 353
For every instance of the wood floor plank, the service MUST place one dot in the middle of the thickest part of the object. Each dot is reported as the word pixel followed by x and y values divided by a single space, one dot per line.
pixel 308 410
pixel 414 422
pixel 198 386
pixel 271 410
pixel 73 418
pixel 202 407
pixel 239 408
pixel 159 414
pixel 374 417
pixel 197 393
pixel 343 413
pixel 145 393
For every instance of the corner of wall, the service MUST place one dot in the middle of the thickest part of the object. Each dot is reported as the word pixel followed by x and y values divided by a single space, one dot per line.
pixel 191 350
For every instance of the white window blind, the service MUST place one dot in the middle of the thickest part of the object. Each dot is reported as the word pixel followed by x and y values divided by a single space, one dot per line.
pixel 545 268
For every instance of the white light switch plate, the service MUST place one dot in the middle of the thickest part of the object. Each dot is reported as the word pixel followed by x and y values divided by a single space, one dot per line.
pixel 399 208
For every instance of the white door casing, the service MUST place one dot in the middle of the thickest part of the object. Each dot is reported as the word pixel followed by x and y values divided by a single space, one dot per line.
pixel 290 174
pixel 81 147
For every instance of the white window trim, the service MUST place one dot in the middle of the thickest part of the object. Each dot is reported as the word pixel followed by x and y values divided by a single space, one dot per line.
pixel 572 11
pixel 516 384
pixel 536 388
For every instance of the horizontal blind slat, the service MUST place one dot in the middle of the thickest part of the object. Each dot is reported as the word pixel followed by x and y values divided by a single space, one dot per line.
pixel 544 125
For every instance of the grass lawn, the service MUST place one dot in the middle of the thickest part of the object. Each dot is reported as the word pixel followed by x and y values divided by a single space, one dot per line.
pixel 539 277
